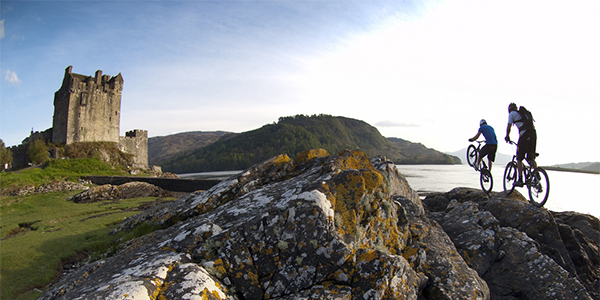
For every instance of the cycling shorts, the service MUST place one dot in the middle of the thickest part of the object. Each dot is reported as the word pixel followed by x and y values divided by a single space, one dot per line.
pixel 526 145
pixel 489 150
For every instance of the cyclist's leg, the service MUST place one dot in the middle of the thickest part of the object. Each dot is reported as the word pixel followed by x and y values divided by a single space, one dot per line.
pixel 532 143
pixel 492 155
pixel 521 150
pixel 485 151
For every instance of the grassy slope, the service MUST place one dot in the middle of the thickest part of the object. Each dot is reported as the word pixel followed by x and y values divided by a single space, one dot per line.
pixel 162 148
pixel 41 231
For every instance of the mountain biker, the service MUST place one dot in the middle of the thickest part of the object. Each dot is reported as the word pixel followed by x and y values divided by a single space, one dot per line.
pixel 491 143
pixel 526 144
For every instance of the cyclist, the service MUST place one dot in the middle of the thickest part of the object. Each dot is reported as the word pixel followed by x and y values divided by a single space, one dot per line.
pixel 491 143
pixel 527 141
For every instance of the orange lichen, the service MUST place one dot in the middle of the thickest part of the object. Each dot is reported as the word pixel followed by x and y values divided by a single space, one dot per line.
pixel 367 256
pixel 280 160
pixel 350 188
pixel 306 156
pixel 353 160
pixel 373 179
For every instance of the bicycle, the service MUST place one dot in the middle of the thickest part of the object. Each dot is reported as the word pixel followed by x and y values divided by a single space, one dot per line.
pixel 536 180
pixel 485 176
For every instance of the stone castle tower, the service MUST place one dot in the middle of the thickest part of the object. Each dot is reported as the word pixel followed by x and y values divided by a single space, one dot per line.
pixel 87 109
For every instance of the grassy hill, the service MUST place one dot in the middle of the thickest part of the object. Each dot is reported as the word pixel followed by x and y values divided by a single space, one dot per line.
pixel 292 135
pixel 417 153
pixel 162 148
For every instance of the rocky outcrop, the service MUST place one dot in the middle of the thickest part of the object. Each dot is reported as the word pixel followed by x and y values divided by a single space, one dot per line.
pixel 337 226
pixel 57 186
pixel 521 251
pixel 134 189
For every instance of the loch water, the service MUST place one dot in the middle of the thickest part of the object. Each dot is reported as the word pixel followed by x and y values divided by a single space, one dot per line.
pixel 569 191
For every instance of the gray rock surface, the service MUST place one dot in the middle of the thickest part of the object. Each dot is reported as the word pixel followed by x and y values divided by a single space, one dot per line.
pixel 339 226
pixel 127 190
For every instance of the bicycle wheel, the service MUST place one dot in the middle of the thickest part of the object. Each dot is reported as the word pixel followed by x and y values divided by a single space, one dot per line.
pixel 471 155
pixel 486 180
pixel 510 177
pixel 539 187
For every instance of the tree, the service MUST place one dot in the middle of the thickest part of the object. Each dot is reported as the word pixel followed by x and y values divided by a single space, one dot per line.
pixel 6 157
pixel 38 152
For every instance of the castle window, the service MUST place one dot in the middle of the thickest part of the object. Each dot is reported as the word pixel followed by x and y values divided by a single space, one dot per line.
pixel 109 119
pixel 115 112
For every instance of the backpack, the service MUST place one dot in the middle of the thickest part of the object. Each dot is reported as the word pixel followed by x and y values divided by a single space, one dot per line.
pixel 526 118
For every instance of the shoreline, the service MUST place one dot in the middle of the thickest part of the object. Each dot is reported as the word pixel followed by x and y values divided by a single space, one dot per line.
pixel 569 170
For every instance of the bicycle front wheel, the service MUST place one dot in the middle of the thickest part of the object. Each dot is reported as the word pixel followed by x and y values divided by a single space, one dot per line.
pixel 486 180
pixel 539 187
pixel 510 177
pixel 471 155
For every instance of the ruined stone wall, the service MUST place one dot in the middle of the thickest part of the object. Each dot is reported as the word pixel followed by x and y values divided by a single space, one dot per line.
pixel 87 109
pixel 136 142
pixel 21 152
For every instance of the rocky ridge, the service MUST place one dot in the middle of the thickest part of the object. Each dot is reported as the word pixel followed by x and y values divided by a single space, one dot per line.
pixel 344 226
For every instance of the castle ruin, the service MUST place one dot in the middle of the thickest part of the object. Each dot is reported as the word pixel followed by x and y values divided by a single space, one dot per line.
pixel 88 109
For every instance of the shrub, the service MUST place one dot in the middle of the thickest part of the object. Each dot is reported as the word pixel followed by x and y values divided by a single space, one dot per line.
pixel 5 155
pixel 38 152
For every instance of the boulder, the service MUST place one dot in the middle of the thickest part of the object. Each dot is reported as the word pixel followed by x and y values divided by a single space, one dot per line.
pixel 321 226
pixel 127 190
pixel 520 250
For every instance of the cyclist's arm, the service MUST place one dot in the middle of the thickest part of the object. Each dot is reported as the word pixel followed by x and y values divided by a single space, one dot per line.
pixel 507 137
pixel 475 137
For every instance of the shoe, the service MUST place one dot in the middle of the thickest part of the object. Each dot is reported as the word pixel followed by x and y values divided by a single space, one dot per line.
pixel 519 183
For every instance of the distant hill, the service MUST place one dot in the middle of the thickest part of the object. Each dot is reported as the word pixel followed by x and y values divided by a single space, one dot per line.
pixel 292 135
pixel 417 153
pixel 593 167
pixel 162 148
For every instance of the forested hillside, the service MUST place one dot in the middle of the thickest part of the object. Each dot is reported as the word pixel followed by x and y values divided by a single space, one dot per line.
pixel 162 148
pixel 417 153
pixel 292 135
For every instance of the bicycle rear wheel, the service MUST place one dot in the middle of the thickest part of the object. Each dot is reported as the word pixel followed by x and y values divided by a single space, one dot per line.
pixel 510 177
pixel 539 187
pixel 472 156
pixel 486 180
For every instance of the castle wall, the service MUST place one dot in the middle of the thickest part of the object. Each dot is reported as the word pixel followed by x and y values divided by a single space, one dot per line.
pixel 136 142
pixel 87 109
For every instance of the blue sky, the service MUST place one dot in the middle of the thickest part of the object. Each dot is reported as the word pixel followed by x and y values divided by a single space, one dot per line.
pixel 425 71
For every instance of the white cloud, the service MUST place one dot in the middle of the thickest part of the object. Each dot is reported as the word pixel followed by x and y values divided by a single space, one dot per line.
pixel 12 77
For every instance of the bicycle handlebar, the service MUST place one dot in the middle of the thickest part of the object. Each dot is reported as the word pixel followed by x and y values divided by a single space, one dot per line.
pixel 477 141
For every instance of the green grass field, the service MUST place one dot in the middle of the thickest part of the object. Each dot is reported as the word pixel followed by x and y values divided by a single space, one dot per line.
pixel 41 232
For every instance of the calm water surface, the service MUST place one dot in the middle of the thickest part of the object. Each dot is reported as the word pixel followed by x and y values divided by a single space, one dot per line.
pixel 568 191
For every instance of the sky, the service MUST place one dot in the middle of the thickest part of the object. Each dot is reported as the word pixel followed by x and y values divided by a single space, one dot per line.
pixel 423 71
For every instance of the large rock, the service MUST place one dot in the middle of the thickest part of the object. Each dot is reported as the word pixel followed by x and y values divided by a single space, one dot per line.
pixel 321 226
pixel 519 249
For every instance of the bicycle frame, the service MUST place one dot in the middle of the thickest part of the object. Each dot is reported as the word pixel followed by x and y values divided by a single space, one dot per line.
pixel 536 180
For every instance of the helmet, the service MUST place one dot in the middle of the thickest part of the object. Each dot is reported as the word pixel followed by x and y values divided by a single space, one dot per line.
pixel 512 107
pixel 482 122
